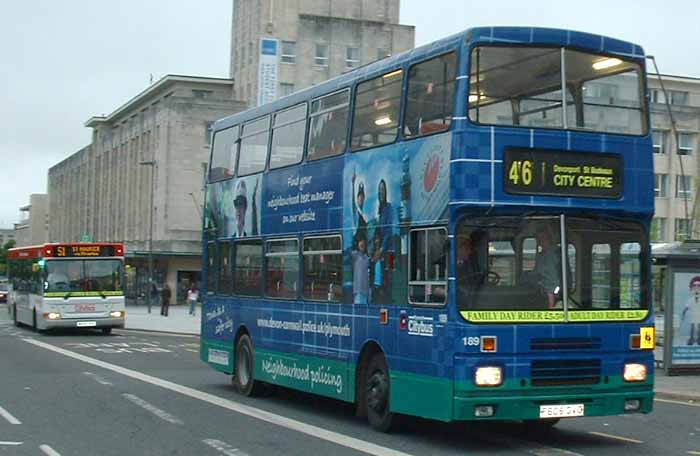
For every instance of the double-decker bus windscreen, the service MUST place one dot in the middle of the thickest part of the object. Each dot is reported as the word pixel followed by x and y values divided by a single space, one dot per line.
pixel 522 86
pixel 83 275
pixel 514 263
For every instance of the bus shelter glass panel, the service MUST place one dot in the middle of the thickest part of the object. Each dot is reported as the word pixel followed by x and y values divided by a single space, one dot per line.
pixel 223 156
pixel 323 268
pixel 328 125
pixel 288 133
pixel 248 272
pixel 377 107
pixel 431 93
pixel 253 153
pixel 282 275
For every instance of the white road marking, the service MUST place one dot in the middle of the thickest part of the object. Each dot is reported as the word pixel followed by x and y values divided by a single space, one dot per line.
pixel 616 437
pixel 224 448
pixel 11 443
pixel 294 425
pixel 695 453
pixel 190 350
pixel 671 401
pixel 8 416
pixel 162 414
pixel 159 334
pixel 98 379
pixel 48 451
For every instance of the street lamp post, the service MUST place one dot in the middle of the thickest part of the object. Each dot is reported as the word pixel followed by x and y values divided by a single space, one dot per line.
pixel 152 164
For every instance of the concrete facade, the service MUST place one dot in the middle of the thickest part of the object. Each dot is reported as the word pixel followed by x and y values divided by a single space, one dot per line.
pixel 103 191
pixel 6 234
pixel 353 33
pixel 674 158
pixel 33 227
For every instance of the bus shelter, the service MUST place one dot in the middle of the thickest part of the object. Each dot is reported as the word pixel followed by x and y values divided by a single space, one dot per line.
pixel 676 286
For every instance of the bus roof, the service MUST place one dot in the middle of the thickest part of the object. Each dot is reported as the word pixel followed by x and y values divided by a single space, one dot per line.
pixel 490 35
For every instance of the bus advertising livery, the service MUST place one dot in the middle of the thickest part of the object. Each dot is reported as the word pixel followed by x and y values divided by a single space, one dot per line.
pixel 458 232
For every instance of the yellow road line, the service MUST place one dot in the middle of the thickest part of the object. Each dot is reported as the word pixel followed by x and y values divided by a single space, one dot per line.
pixel 616 437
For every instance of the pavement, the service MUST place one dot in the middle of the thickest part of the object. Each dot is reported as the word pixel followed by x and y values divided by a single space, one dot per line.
pixel 676 387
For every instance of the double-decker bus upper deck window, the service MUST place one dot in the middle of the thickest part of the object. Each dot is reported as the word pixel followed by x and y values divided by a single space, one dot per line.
pixel 223 156
pixel 282 268
pixel 522 86
pixel 328 125
pixel 376 115
pixel 323 268
pixel 253 150
pixel 431 93
pixel 288 131
pixel 247 277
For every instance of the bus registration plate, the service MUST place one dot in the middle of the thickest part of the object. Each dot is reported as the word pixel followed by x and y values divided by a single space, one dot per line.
pixel 561 411
pixel 86 324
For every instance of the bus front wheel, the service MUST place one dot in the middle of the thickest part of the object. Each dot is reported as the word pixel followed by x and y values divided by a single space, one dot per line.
pixel 244 375
pixel 34 327
pixel 377 394
pixel 107 331
pixel 14 315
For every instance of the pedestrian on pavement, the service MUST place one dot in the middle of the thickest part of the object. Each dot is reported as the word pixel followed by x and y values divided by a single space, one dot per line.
pixel 192 296
pixel 165 300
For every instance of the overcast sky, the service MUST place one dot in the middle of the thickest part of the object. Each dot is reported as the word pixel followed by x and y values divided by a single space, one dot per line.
pixel 65 61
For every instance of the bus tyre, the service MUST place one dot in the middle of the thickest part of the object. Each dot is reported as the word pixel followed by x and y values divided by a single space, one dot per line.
pixel 14 315
pixel 107 331
pixel 34 327
pixel 377 393
pixel 244 375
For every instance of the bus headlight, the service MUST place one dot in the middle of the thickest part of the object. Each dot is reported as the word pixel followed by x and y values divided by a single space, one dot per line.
pixel 488 376
pixel 635 372
pixel 52 316
pixel 116 314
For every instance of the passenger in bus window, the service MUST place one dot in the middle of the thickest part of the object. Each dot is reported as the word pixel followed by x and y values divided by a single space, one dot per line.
pixel 360 270
pixel 547 272
pixel 470 275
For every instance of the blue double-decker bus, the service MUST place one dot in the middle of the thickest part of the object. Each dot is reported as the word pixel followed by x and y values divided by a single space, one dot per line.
pixel 457 232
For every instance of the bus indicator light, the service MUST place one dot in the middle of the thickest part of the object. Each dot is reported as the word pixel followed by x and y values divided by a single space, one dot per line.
pixel 384 316
pixel 403 320
pixel 635 341
pixel 488 343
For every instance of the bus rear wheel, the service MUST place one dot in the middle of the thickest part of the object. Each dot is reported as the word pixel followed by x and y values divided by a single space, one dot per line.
pixel 377 393
pixel 244 374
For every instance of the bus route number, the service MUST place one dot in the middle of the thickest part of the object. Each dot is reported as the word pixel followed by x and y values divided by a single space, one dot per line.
pixel 521 172
pixel 60 251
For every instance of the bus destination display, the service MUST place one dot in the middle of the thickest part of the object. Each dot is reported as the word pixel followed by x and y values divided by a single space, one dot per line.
pixel 562 173
pixel 83 250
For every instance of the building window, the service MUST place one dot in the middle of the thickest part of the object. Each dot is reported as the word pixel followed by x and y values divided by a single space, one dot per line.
pixel 253 152
pixel 678 98
pixel 682 231
pixel 328 125
pixel 250 52
pixel 288 132
pixel 286 89
pixel 657 96
pixel 684 187
pixel 289 53
pixel 352 57
pixel 658 138
pixel 201 93
pixel 207 132
pixel 685 143
pixel 248 268
pixel 323 268
pixel 383 53
pixel 658 229
pixel 428 266
pixel 376 115
pixel 660 185
pixel 282 268
pixel 321 56
pixel 431 93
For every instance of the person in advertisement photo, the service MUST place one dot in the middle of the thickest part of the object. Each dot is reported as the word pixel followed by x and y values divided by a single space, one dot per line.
pixel 243 223
pixel 691 312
